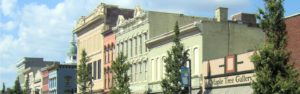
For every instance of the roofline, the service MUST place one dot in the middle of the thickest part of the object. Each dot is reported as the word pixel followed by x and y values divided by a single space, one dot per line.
pixel 293 15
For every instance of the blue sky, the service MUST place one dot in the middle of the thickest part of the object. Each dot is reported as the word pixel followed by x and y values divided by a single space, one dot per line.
pixel 42 28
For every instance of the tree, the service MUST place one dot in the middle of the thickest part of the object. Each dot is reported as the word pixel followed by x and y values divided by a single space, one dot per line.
pixel 274 75
pixel 10 91
pixel 120 76
pixel 176 58
pixel 83 73
pixel 17 87
pixel 26 89
pixel 3 88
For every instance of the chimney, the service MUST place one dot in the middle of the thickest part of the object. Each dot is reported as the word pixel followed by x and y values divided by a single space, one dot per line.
pixel 245 18
pixel 221 14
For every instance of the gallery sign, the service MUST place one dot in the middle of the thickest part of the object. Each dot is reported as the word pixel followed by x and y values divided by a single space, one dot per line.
pixel 229 80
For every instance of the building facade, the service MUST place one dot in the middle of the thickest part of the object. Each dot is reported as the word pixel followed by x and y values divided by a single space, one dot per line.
pixel 146 37
pixel 62 79
pixel 45 78
pixel 231 74
pixel 293 39
pixel 37 87
pixel 89 38
pixel 28 66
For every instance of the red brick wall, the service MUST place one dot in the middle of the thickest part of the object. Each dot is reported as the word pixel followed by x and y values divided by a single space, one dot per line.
pixel 109 43
pixel 293 45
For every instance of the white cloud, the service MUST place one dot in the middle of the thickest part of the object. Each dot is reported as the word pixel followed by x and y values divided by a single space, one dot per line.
pixel 8 26
pixel 7 6
pixel 40 32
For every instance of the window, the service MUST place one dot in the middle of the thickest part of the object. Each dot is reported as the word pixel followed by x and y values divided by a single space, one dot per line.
pixel 196 60
pixel 126 51
pixel 94 70
pixel 112 53
pixel 136 72
pixel 145 42
pixel 122 48
pixel 99 69
pixel 105 55
pixel 131 47
pixel 145 68
pixel 131 72
pixel 157 71
pixel 164 66
pixel 108 54
pixel 140 66
pixel 141 44
pixel 90 68
pixel 152 69
pixel 135 46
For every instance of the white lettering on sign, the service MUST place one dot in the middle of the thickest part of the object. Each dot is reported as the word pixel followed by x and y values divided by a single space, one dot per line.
pixel 230 80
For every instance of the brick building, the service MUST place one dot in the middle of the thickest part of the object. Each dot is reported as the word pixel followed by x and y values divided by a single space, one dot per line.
pixel 293 39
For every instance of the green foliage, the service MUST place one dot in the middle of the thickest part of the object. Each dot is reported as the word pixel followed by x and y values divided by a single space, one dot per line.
pixel 3 88
pixel 27 89
pixel 10 91
pixel 17 87
pixel 83 73
pixel 274 75
pixel 120 76
pixel 176 58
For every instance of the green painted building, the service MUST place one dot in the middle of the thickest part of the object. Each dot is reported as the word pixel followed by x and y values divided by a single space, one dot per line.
pixel 147 37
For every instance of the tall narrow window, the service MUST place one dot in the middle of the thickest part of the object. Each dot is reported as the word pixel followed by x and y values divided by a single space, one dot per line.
pixel 164 66
pixel 112 52
pixel 131 47
pixel 152 70
pixel 108 54
pixel 146 68
pixel 131 72
pixel 136 72
pixel 136 46
pixel 122 47
pixel 158 71
pixel 145 42
pixel 141 70
pixel 126 44
pixel 94 70
pixel 105 55
pixel 141 44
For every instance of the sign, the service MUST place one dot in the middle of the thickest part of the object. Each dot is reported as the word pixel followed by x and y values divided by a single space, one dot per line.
pixel 230 80
pixel 184 71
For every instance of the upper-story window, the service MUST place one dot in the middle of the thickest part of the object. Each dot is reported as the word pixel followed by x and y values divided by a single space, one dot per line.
pixel 112 52
pixel 131 47
pixel 135 45
pixel 141 44
pixel 145 42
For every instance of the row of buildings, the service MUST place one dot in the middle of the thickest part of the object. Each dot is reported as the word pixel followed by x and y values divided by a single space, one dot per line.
pixel 218 47
pixel 219 50
pixel 49 77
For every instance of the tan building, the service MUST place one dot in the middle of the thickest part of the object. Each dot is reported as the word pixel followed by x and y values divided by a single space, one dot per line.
pixel 89 38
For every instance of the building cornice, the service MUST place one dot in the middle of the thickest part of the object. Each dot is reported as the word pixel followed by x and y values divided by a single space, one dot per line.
pixel 83 23
pixel 99 12
pixel 128 23
pixel 168 35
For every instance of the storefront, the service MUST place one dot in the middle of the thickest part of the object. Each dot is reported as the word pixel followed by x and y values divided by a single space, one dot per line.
pixel 232 74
